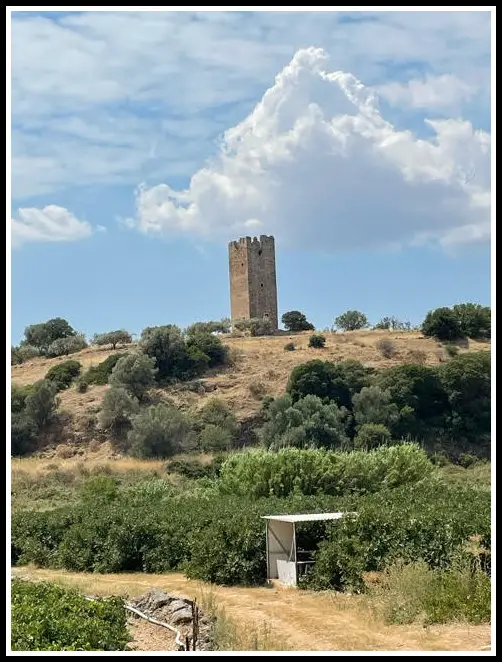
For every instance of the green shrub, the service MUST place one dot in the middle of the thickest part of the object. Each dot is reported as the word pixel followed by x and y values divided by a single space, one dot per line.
pixel 262 473
pixel 289 347
pixel 99 374
pixel 43 334
pixel 18 395
pixel 352 320
pixel 326 380
pixel 305 423
pixel 23 353
pixel 23 434
pixel 254 327
pixel 48 617
pixel 82 385
pixel 474 320
pixel 69 345
pixel 210 346
pixel 161 431
pixel 451 349
pixel 386 347
pixel 193 468
pixel 41 403
pixel 135 373
pixel 221 326
pixel 372 435
pixel 214 438
pixel 117 409
pixel 217 412
pixel 317 341
pixel 167 346
pixel 374 405
pixel 63 374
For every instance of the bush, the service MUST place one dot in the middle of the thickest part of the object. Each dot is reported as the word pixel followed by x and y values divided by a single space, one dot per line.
pixel 451 349
pixel 82 385
pixel 215 438
pixel 41 403
pixel 442 324
pixel 161 431
pixel 112 338
pixel 386 348
pixel 217 412
pixel 263 473
pixel 257 389
pixel 321 378
pixel 372 435
pixel 173 359
pixel 193 468
pixel 372 405
pixel 135 373
pixel 289 347
pixel 64 373
pixel 23 353
pixel 117 409
pixel 408 592
pixel 392 324
pixel 210 346
pixel 221 326
pixel 317 341
pixel 18 395
pixel 474 320
pixel 294 320
pixel 352 320
pixel 44 334
pixel 48 617
pixel 306 423
pixel 65 346
pixel 23 434
pixel 254 327
pixel 99 374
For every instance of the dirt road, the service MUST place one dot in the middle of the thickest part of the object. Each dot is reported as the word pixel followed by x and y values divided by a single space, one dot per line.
pixel 288 618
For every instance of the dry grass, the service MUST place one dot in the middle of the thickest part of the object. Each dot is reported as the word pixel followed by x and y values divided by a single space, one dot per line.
pixel 272 618
pixel 260 360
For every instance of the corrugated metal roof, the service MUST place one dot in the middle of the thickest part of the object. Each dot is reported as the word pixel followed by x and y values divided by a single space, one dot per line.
pixel 310 517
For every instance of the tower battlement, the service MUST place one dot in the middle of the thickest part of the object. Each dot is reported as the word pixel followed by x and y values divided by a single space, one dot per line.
pixel 253 286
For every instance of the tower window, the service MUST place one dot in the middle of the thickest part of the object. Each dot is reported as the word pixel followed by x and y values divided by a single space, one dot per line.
pixel 260 252
pixel 242 264
pixel 261 284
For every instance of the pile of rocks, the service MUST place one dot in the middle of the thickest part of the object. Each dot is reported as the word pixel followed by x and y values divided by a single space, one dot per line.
pixel 178 612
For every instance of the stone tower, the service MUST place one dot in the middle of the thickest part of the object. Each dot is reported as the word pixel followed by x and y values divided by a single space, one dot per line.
pixel 253 286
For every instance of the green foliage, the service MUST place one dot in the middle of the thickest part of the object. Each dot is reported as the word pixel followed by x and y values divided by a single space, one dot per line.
pixel 221 326
pixel 41 403
pixel 254 327
pixel 44 334
pixel 82 385
pixel 217 415
pixel 308 422
pixel 65 346
pixel 214 438
pixel 466 380
pixel 192 467
pixel 442 324
pixel 392 324
pixel 332 381
pixel 18 395
pixel 209 345
pixel 134 372
pixel 430 522
pixel 474 320
pixel 352 320
pixel 23 434
pixel 99 490
pixel 451 349
pixel 48 617
pixel 161 431
pixel 317 341
pixel 294 320
pixel 289 347
pixel 23 353
pixel 99 374
pixel 117 409
pixel 113 338
pixel 419 396
pixel 374 405
pixel 408 592
pixel 64 373
pixel 372 435
pixel 386 348
pixel 317 471
pixel 174 359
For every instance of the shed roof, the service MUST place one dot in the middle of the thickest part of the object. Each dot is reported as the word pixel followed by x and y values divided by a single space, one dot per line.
pixel 310 517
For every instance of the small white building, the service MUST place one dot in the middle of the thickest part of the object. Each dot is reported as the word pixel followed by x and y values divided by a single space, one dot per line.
pixel 284 561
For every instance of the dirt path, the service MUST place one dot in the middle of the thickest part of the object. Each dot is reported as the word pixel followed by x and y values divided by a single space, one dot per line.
pixel 304 620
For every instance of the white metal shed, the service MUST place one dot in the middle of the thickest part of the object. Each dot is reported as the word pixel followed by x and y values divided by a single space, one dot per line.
pixel 283 562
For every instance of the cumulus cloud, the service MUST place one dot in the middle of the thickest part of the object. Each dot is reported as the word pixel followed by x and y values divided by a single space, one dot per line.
pixel 315 163
pixel 52 223
pixel 432 92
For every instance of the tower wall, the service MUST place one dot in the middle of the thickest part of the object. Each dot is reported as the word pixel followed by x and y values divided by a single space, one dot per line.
pixel 253 285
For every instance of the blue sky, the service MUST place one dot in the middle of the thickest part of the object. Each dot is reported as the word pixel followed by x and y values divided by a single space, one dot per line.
pixel 143 142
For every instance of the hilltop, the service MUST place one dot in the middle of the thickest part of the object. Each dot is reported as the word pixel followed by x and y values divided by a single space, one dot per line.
pixel 259 366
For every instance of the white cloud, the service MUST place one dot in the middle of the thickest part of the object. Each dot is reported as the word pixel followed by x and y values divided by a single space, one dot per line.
pixel 50 224
pixel 108 98
pixel 433 92
pixel 316 163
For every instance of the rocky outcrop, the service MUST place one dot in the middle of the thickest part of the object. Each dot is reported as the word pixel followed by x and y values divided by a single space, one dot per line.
pixel 178 612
